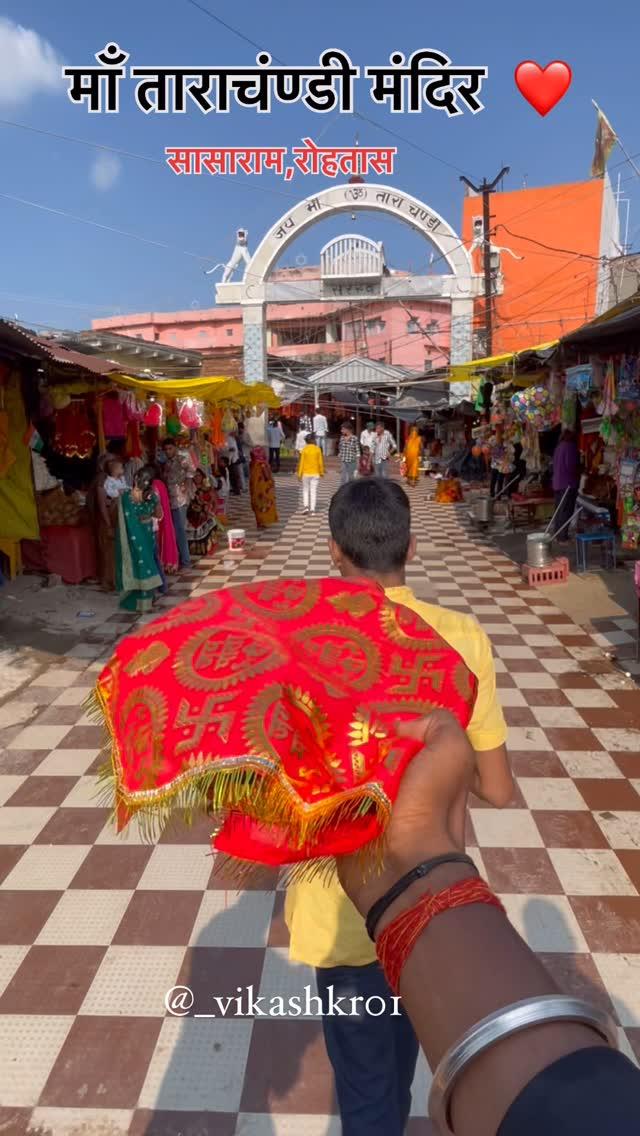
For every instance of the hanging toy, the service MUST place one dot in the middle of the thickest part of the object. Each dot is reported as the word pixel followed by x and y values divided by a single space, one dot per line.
pixel 536 407
pixel 608 407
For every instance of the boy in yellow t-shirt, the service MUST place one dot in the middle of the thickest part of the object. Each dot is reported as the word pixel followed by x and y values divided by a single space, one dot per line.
pixel 373 1052
pixel 310 470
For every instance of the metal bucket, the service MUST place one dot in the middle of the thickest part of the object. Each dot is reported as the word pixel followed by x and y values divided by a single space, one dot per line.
pixel 539 550
pixel 483 510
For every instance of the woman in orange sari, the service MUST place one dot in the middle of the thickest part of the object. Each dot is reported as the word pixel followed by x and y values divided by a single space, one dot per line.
pixel 412 453
pixel 262 489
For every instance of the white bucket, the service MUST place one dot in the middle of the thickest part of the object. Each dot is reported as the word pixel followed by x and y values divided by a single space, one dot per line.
pixel 236 538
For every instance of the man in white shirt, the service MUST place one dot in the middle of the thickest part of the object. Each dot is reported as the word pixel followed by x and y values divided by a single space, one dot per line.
pixel 320 429
pixel 383 447
pixel 275 434
pixel 368 436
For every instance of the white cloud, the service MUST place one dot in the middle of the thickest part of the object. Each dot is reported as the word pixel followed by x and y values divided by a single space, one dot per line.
pixel 105 171
pixel 29 64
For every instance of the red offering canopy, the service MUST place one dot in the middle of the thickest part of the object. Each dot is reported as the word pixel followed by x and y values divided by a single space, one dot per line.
pixel 273 707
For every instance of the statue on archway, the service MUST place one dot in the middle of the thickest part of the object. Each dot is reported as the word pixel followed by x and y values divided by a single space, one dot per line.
pixel 240 254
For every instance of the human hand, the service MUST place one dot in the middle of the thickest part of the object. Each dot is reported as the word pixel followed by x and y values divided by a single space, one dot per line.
pixel 428 816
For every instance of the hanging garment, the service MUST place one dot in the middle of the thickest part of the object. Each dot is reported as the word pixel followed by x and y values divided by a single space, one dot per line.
pixel 7 456
pixel 133 445
pixel 153 415
pixel 229 423
pixel 113 418
pixel 74 435
pixel 189 415
pixel 608 407
pixel 629 380
pixel 217 433
pixel 133 409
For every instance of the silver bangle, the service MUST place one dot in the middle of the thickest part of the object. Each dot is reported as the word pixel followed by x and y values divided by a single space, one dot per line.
pixel 499 1025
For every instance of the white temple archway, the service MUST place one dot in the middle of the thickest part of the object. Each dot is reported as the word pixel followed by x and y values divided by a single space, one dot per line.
pixel 461 286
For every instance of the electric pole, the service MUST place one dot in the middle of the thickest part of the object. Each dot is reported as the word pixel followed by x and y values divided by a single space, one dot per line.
pixel 486 189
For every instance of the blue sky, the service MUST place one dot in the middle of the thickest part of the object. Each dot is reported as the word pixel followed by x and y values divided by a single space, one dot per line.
pixel 62 273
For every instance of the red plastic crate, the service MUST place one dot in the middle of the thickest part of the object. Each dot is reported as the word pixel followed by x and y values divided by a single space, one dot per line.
pixel 556 573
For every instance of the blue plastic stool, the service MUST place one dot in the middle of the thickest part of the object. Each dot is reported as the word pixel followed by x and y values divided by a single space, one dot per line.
pixel 607 542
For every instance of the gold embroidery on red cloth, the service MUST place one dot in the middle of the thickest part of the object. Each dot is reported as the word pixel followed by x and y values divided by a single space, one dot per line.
pixel 282 599
pixel 144 718
pixel 194 611
pixel 464 681
pixel 216 658
pixel 418 671
pixel 406 628
pixel 213 715
pixel 392 758
pixel 358 764
pixel 266 719
pixel 339 653
pixel 302 701
pixel 147 660
pixel 417 709
pixel 364 727
pixel 357 606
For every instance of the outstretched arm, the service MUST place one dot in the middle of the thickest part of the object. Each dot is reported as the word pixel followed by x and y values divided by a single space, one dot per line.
pixel 469 961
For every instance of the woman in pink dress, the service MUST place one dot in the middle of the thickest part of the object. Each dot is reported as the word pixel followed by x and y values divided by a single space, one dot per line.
pixel 166 535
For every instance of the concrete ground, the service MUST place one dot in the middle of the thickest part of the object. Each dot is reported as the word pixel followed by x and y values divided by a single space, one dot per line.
pixel 601 600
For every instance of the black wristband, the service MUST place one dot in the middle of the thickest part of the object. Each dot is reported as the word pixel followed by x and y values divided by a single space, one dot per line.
pixel 418 873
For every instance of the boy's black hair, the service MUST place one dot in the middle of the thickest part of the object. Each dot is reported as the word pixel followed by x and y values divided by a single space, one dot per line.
pixel 310 439
pixel 370 521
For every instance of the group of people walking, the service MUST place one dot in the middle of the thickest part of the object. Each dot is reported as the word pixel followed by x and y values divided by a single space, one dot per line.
pixel 367 456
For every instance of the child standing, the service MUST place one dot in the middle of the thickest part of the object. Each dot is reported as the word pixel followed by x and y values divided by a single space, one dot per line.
pixel 114 483
pixel 365 465
pixel 310 470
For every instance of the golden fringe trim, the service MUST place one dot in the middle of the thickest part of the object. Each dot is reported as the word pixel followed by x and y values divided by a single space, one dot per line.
pixel 252 786
pixel 321 868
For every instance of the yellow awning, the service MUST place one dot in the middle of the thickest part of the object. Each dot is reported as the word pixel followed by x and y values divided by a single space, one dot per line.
pixel 258 394
pixel 202 388
pixel 214 388
pixel 462 372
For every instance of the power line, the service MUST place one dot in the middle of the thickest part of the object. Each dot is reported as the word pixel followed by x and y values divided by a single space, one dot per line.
pixel 130 154
pixel 356 114
pixel 99 225
pixel 82 142
pixel 550 248
pixel 536 283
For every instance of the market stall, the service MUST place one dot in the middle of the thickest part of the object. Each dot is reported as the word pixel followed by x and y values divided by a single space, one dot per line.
pixel 603 376
pixel 62 414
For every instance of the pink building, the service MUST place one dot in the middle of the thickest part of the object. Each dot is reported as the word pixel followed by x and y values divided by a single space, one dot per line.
pixel 413 334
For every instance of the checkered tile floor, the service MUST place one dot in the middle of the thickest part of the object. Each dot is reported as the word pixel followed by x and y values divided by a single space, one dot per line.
pixel 95 928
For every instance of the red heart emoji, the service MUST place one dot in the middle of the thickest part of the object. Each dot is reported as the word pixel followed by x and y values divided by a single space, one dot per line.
pixel 543 87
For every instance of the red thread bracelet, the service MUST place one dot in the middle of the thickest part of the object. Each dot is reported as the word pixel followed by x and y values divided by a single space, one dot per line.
pixel 397 941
